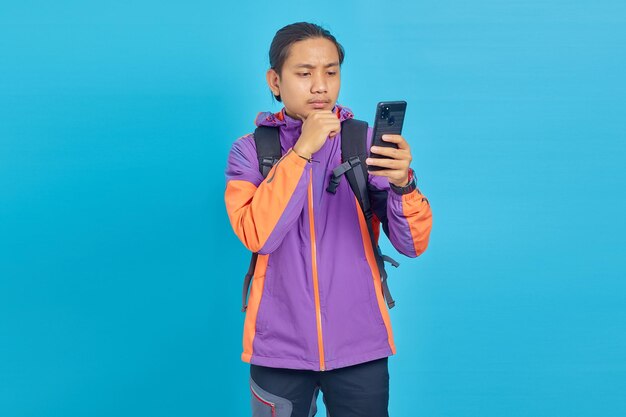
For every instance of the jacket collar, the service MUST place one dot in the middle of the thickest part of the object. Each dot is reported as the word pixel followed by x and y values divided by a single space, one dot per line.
pixel 286 122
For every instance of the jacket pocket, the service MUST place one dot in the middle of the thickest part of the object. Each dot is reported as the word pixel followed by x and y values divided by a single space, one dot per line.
pixel 375 312
pixel 261 319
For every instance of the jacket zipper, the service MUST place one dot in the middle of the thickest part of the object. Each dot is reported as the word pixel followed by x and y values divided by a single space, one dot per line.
pixel 318 313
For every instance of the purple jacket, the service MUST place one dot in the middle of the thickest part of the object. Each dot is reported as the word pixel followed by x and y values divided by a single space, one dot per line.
pixel 316 300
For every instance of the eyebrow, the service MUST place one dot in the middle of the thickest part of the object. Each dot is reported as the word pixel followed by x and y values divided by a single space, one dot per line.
pixel 332 64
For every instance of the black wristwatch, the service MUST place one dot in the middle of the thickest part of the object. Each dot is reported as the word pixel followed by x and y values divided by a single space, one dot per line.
pixel 407 188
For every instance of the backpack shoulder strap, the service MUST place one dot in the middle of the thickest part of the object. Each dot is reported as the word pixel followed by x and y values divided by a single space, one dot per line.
pixel 353 154
pixel 268 151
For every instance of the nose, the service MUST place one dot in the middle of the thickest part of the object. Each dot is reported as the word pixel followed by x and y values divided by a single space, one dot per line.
pixel 318 84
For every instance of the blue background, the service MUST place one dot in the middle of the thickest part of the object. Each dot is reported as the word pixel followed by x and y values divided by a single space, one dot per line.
pixel 120 277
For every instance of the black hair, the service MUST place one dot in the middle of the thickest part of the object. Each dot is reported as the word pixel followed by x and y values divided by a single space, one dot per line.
pixel 295 32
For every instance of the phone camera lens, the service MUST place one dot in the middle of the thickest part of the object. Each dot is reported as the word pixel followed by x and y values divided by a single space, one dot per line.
pixel 384 113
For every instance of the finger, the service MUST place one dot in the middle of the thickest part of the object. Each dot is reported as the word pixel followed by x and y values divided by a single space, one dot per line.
pixel 389 173
pixel 328 117
pixel 397 139
pixel 391 152
pixel 334 132
pixel 331 121
pixel 321 113
pixel 331 124
pixel 385 163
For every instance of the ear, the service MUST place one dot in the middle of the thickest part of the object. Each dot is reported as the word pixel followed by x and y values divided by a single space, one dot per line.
pixel 273 80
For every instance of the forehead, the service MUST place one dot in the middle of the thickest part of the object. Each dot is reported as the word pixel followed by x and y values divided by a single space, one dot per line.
pixel 314 51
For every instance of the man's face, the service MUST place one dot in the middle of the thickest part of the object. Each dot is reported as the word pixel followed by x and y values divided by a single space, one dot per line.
pixel 310 77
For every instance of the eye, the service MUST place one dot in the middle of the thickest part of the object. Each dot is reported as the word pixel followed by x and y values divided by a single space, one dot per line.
pixel 303 74
pixel 332 72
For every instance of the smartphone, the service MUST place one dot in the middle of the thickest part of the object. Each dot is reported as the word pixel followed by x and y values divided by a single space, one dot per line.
pixel 388 121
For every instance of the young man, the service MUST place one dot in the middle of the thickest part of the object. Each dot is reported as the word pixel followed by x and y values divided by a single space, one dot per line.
pixel 316 317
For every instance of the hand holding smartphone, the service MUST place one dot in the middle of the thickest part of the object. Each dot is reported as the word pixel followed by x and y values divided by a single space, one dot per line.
pixel 388 121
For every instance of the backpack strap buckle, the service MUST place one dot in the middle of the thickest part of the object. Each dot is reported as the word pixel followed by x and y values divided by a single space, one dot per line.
pixel 266 164
pixel 336 177
pixel 339 171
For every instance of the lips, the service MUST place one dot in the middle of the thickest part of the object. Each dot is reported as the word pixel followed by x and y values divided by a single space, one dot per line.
pixel 318 104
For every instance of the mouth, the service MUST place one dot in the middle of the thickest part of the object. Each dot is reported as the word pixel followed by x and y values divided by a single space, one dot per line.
pixel 318 104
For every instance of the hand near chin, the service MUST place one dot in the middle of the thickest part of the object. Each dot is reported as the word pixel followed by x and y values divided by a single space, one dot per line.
pixel 316 127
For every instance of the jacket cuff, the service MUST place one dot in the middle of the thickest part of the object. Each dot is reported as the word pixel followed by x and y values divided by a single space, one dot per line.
pixel 295 158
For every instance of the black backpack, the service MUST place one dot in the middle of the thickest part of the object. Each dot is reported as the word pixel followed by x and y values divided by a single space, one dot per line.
pixel 353 154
